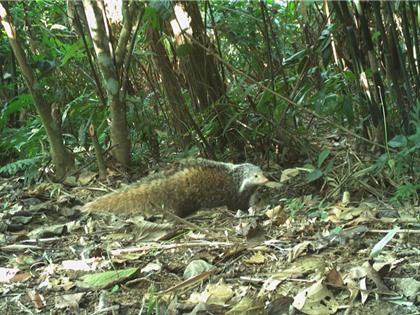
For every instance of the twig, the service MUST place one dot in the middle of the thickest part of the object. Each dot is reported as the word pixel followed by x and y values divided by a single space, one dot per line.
pixel 177 218
pixel 400 231
pixel 189 282
pixel 150 246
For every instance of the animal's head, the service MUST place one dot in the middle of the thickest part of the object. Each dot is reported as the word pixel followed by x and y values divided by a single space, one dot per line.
pixel 251 175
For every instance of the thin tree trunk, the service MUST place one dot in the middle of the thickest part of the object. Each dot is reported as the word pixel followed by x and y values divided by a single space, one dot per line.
pixel 172 88
pixel 61 157
pixel 205 85
pixel 394 37
pixel 390 65
pixel 120 139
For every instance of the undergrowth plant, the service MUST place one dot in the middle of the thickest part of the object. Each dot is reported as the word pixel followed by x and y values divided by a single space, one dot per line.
pixel 404 164
pixel 25 142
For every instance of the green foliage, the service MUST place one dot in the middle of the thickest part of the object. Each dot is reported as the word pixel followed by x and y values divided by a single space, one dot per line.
pixel 320 170
pixel 404 162
pixel 24 141
pixel 164 8
pixel 14 167
pixel 18 104
pixel 406 159
pixel 406 192
pixel 152 304
pixel 184 50
pixel 293 206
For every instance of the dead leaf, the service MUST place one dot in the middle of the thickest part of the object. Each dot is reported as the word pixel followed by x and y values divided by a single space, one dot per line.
pixel 298 250
pixel 196 267
pixel 277 216
pixel 151 267
pixel 314 265
pixel 257 258
pixel 37 299
pixel 7 274
pixel 51 231
pixel 70 301
pixel 334 278
pixel 149 231
pixel 409 287
pixel 269 285
pixel 356 281
pixel 75 265
pixel 247 306
pixel 86 177
pixel 288 174
pixel 345 200
pixel 340 213
pixel 316 300
pixel 46 190
pixel 218 294
pixel 374 276
pixel 21 277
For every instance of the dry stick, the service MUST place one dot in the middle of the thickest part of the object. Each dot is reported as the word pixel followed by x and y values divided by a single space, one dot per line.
pixel 178 219
pixel 306 110
pixel 189 282
pixel 98 150
pixel 399 231
pixel 92 161
pixel 158 245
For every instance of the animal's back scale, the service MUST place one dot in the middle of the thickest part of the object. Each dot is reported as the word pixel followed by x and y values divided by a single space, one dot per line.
pixel 190 185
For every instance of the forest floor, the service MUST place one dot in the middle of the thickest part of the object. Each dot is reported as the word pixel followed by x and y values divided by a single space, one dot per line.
pixel 302 257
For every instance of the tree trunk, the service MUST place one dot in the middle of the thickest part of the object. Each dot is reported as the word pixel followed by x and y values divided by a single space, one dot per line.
pixel 172 88
pixel 200 68
pixel 120 139
pixel 61 157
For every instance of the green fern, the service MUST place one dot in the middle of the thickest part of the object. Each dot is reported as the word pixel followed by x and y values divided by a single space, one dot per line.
pixel 14 167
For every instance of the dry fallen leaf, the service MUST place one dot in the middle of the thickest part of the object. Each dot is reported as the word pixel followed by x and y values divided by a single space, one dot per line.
pixel 37 299
pixel 257 258
pixel 316 300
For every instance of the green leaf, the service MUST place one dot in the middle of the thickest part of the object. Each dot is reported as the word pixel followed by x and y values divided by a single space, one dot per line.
pixel 313 176
pixel 229 122
pixel 14 167
pixel 18 103
pixel 329 167
pixel 308 167
pixel 348 110
pixel 295 58
pixel 322 156
pixel 71 51
pixel 115 288
pixel 326 56
pixel 330 102
pixel 184 50
pixel 391 163
pixel 376 35
pixel 303 63
pixel 336 230
pixel 265 98
pixel 164 8
pixel 104 279
pixel 319 101
pixel 399 141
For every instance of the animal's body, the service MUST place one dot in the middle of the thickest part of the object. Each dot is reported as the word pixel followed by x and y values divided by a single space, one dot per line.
pixel 188 186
